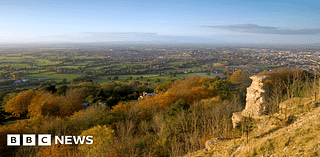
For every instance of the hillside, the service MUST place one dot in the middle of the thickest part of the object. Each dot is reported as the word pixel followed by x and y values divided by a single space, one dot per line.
pixel 276 135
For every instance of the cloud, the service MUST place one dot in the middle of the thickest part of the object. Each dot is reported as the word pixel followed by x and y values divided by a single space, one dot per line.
pixel 253 28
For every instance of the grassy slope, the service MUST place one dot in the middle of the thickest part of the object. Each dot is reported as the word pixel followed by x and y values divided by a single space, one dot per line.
pixel 274 137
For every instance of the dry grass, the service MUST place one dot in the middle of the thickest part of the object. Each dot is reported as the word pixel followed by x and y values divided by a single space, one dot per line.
pixel 297 135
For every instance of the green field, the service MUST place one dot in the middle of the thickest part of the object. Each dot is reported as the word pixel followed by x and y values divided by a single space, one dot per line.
pixel 152 77
pixel 45 62
pixel 52 75
pixel 34 66
pixel 17 65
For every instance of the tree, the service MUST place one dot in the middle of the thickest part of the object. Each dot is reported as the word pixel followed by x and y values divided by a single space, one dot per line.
pixel 2 95
pixel 157 80
pixel 37 102
pixel 176 108
pixel 115 78
pixel 19 104
pixel 72 101
pixel 9 97
pixel 224 88
pixel 61 90
pixel 64 81
pixel 58 150
pixel 163 87
pixel 52 107
pixel 241 77
pixel 102 142
pixel 2 116
pixel 51 88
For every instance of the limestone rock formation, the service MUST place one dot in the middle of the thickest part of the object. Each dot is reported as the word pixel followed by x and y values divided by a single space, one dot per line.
pixel 210 144
pixel 255 101
pixel 256 98
pixel 236 119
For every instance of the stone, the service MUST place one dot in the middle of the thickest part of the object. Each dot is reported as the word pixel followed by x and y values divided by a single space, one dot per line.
pixel 210 144
pixel 256 98
pixel 256 105
pixel 236 119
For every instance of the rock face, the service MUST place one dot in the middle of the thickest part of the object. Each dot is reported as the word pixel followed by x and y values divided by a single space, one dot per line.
pixel 256 98
pixel 255 101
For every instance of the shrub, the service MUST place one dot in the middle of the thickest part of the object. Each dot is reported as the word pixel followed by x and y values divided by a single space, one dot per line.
pixel 102 142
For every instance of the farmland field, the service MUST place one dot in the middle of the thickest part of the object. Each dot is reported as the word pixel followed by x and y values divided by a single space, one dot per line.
pixel 73 65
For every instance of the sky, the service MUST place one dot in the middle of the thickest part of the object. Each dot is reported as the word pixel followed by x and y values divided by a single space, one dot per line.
pixel 181 21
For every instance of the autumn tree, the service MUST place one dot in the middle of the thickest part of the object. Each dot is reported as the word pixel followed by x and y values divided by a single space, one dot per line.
pixel 52 106
pixel 163 87
pixel 122 107
pixel 59 150
pixel 284 83
pixel 242 80
pixel 224 88
pixel 37 102
pixel 72 101
pixel 102 146
pixel 51 88
pixel 19 105
pixel 176 108
pixel 241 77
pixel 2 116
pixel 61 90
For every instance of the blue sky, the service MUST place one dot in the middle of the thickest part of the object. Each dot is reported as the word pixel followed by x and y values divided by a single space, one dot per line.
pixel 207 21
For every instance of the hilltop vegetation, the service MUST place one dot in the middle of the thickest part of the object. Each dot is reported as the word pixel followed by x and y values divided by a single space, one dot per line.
pixel 180 119
pixel 295 133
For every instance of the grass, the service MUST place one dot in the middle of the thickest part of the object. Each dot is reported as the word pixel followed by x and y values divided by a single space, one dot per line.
pixel 17 65
pixel 45 62
pixel 54 76
pixel 152 77
pixel 78 63
pixel 70 66
pixel 196 68
pixel 299 138
pixel 175 63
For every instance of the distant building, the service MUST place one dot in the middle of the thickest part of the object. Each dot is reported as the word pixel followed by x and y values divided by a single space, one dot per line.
pixel 17 82
pixel 86 105
pixel 102 104
pixel 146 95
pixel 42 79
pixel 25 80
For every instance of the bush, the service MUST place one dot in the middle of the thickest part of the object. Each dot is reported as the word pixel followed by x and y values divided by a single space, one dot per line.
pixel 102 142
pixel 177 108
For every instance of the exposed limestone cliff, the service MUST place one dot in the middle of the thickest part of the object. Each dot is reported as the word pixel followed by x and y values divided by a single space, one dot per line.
pixel 255 101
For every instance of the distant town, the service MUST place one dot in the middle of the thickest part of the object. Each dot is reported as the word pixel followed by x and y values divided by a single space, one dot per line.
pixel 29 66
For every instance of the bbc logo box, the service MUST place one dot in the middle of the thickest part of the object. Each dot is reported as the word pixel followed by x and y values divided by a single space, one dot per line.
pixel 28 140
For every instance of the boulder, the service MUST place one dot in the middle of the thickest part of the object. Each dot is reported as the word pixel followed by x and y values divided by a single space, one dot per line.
pixel 210 144
pixel 236 119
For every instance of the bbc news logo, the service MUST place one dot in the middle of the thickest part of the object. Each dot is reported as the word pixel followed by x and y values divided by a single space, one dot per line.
pixel 45 140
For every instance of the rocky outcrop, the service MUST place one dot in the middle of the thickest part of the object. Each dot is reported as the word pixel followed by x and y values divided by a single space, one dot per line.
pixel 256 104
pixel 236 119
pixel 210 144
pixel 256 98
